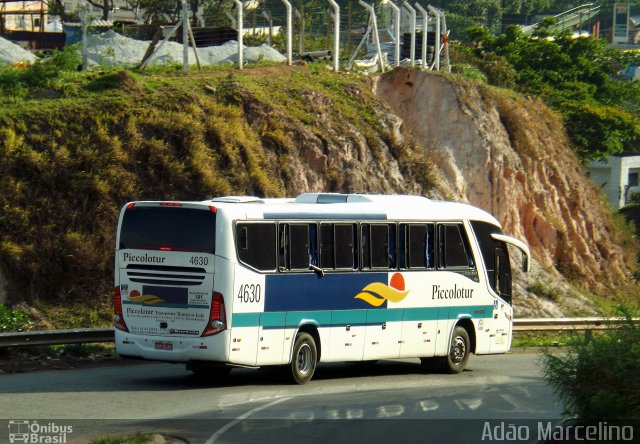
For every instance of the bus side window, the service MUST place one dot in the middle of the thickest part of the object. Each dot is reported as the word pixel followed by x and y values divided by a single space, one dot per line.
pixel 294 246
pixel 345 246
pixel 420 246
pixel 283 247
pixel 256 245
pixel 402 246
pixel 326 246
pixel 378 245
pixel 453 247
pixel 365 245
pixel 338 246
pixel 313 244
pixel 299 246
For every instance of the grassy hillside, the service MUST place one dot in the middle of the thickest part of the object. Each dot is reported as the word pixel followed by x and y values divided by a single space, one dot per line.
pixel 75 149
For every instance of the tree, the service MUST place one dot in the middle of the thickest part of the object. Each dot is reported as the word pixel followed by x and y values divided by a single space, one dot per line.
pixel 576 77
pixel 159 11
pixel 56 7
pixel 105 5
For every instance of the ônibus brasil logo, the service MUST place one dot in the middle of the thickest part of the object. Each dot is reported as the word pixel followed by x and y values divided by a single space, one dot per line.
pixel 32 432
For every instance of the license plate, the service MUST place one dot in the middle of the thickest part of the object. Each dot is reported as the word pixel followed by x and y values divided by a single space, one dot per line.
pixel 164 346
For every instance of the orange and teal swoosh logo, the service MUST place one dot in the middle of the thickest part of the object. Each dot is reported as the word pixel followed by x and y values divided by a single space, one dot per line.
pixel 147 299
pixel 377 293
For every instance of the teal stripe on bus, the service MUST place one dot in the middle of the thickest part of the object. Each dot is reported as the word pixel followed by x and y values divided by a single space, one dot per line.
pixel 328 318
pixel 388 315
pixel 349 317
pixel 246 319
pixel 435 313
pixel 294 318
pixel 425 314
pixel 273 319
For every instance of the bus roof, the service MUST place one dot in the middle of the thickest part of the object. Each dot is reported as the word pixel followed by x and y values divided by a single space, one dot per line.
pixel 349 206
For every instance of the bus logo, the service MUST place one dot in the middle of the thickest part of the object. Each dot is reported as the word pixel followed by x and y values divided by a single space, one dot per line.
pixel 377 293
pixel 18 431
pixel 147 299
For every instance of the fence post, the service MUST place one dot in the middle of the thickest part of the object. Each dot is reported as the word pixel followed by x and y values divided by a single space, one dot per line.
pixel 83 18
pixel 376 37
pixel 425 23
pixel 289 32
pixel 436 46
pixel 412 56
pixel 336 35
pixel 240 32
pixel 396 33
pixel 445 44
pixel 185 37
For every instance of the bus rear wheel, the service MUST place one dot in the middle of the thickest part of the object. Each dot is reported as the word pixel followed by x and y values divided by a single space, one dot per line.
pixel 304 359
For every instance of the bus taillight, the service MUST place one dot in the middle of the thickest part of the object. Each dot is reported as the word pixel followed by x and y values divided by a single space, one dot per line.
pixel 118 319
pixel 217 317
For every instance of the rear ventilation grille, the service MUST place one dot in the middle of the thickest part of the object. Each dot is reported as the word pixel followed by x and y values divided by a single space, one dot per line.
pixel 166 275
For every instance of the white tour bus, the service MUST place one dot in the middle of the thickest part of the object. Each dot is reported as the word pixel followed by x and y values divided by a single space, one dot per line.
pixel 250 282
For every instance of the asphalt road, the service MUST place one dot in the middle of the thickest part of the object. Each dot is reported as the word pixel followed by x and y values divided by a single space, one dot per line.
pixel 390 401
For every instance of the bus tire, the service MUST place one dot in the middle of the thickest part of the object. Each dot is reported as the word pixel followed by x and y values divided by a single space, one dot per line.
pixel 304 359
pixel 459 350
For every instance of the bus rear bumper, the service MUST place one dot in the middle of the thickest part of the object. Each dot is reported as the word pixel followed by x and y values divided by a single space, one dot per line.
pixel 172 349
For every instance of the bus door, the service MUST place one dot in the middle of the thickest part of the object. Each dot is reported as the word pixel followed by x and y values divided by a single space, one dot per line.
pixel 502 310
pixel 442 333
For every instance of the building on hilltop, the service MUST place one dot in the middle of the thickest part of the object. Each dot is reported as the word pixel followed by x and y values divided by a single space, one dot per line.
pixel 33 15
pixel 618 177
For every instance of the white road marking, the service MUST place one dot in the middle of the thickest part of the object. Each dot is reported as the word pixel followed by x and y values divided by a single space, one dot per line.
pixel 212 439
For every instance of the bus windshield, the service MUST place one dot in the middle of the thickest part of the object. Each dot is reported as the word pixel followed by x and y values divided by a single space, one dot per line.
pixel 169 229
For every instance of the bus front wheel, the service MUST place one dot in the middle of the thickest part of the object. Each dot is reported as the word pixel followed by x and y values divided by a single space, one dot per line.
pixel 459 350
pixel 304 359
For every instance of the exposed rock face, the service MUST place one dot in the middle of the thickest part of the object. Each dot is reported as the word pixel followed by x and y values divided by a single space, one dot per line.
pixel 335 155
pixel 510 156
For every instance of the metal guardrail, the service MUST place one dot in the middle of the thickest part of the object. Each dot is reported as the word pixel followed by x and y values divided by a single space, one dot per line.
pixel 103 335
pixel 568 324
pixel 56 337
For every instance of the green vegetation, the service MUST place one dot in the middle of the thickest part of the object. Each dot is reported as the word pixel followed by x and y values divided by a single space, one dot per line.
pixel 575 76
pixel 542 339
pixel 544 291
pixel 597 378
pixel 74 146
pixel 80 350
pixel 73 152
pixel 138 438
pixel 13 320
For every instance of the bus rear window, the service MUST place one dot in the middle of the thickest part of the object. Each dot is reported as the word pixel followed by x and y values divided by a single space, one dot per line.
pixel 168 228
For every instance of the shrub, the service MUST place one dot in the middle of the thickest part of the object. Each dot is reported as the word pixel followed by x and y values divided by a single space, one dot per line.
pixel 544 291
pixel 13 320
pixel 499 71
pixel 598 378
